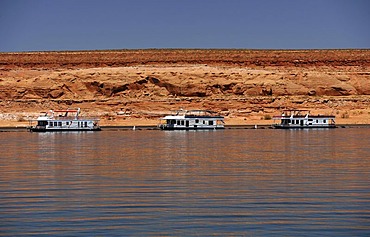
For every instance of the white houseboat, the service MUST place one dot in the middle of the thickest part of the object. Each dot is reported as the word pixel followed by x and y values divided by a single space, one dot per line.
pixel 192 120
pixel 302 119
pixel 64 120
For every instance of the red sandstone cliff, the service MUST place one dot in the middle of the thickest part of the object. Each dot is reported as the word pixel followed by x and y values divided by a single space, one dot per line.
pixel 138 86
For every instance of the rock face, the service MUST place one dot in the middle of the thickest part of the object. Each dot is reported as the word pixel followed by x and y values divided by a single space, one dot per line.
pixel 244 85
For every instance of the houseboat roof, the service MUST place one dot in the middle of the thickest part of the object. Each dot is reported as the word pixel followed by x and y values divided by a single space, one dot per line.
pixel 55 115
pixel 298 113
pixel 194 114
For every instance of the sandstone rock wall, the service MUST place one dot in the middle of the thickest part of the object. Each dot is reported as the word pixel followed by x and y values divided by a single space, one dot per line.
pixel 244 85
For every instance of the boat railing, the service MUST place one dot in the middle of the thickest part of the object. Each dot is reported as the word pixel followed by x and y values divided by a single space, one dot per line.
pixel 194 112
pixel 74 118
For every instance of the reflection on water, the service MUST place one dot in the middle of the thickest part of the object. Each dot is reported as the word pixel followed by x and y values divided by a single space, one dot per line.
pixel 229 182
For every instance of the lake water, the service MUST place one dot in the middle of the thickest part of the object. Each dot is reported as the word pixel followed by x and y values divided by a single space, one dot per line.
pixel 232 182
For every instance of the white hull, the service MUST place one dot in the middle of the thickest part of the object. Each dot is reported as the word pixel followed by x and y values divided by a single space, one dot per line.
pixel 50 122
pixel 294 120
pixel 60 126
pixel 191 120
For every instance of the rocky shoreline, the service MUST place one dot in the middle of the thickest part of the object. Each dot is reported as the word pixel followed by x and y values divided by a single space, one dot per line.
pixel 137 87
pixel 138 128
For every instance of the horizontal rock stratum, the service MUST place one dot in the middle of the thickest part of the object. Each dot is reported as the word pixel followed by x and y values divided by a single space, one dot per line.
pixel 136 87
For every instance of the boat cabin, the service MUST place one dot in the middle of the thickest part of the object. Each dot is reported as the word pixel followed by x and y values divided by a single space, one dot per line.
pixel 64 120
pixel 192 120
pixel 303 119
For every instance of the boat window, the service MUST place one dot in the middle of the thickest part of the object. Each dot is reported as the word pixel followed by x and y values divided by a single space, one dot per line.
pixel 59 124
pixel 317 121
pixel 324 120
pixel 178 122
pixel 42 123
pixel 50 124
pixel 197 121
pixel 182 122
pixel 67 123
pixel 55 124
pixel 204 122
pixel 85 124
pixel 210 122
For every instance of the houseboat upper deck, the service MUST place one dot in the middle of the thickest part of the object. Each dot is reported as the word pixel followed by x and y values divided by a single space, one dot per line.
pixel 64 120
pixel 302 119
pixel 192 120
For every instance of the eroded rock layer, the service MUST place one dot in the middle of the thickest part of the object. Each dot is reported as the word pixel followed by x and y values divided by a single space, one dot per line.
pixel 131 87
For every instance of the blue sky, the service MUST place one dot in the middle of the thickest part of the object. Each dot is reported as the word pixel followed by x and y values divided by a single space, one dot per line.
pixel 44 25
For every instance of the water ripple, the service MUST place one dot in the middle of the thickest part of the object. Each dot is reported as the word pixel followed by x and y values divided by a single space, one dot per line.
pixel 231 182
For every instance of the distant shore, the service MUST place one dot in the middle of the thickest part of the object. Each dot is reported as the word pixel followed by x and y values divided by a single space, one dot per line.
pixel 137 87
pixel 138 128
pixel 232 123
